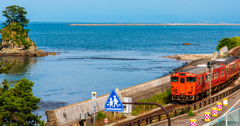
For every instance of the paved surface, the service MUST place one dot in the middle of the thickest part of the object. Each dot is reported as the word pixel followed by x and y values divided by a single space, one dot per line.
pixel 200 116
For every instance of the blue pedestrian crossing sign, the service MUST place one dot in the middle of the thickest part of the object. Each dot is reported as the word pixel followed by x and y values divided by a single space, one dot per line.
pixel 113 103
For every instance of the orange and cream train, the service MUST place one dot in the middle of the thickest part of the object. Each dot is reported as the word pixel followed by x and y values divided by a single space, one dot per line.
pixel 193 84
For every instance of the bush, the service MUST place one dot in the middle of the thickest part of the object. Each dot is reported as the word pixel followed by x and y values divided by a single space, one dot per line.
pixel 229 42
pixel 100 115
pixel 190 113
pixel 26 43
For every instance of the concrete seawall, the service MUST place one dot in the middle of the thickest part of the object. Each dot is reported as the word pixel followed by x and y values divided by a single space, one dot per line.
pixel 70 115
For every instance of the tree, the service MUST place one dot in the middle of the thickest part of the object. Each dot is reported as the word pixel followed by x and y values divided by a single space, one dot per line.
pixel 229 42
pixel 18 103
pixel 15 14
pixel 7 68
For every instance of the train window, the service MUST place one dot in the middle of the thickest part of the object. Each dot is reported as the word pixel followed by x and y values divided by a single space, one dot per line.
pixel 174 79
pixel 199 83
pixel 191 79
pixel 215 75
pixel 206 78
pixel 212 76
pixel 226 70
pixel 222 72
pixel 182 74
pixel 182 80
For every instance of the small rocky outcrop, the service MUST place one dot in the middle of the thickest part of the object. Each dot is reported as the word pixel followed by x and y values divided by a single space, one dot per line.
pixel 16 42
pixel 186 43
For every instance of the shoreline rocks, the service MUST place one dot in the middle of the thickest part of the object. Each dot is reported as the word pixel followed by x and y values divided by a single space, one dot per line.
pixel 29 53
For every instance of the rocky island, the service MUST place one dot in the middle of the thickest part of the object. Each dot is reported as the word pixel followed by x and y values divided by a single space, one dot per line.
pixel 14 37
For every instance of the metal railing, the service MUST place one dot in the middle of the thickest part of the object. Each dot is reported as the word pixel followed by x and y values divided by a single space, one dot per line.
pixel 173 113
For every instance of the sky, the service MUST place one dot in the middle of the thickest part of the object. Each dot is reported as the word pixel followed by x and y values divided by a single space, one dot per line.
pixel 129 11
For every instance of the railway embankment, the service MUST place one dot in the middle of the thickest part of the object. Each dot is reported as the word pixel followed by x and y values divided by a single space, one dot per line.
pixel 70 115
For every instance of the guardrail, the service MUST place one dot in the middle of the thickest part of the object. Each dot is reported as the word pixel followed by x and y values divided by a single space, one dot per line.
pixel 161 116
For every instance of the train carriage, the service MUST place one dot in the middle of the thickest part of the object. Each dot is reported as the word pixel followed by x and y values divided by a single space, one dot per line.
pixel 192 84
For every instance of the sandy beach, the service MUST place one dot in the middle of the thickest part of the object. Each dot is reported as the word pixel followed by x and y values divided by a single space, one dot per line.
pixel 189 56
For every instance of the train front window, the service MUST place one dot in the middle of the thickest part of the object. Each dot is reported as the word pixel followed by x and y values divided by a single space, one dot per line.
pixel 174 79
pixel 191 79
pixel 182 80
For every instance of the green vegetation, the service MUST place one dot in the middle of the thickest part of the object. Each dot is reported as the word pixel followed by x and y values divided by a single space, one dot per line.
pixel 16 34
pixel 13 31
pixel 100 115
pixel 7 68
pixel 190 113
pixel 17 104
pixel 15 14
pixel 162 99
pixel 229 42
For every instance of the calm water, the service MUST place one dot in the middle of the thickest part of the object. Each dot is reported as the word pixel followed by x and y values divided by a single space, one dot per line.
pixel 106 57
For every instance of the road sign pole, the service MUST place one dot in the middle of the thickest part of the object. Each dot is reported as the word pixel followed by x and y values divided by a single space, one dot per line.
pixel 94 97
pixel 94 112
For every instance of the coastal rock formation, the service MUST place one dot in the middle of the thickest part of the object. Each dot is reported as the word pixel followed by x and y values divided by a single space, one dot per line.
pixel 16 42
pixel 186 43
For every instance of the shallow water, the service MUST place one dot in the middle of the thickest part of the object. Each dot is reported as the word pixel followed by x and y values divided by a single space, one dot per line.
pixel 106 57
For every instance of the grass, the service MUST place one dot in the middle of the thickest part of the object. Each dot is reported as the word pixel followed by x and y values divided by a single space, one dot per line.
pixel 161 98
pixel 101 116
pixel 190 113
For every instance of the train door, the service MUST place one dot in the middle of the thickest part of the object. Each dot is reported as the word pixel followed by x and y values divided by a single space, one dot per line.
pixel 227 71
pixel 203 84
pixel 182 85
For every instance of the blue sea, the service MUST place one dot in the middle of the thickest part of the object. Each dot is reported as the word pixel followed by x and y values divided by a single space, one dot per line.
pixel 102 58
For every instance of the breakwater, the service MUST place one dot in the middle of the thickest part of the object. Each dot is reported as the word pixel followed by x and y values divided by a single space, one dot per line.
pixel 175 24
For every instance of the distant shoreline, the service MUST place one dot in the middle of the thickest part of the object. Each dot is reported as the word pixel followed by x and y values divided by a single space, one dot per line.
pixel 170 24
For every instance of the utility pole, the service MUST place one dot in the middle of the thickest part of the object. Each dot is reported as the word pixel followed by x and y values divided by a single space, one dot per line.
pixel 212 58
pixel 210 88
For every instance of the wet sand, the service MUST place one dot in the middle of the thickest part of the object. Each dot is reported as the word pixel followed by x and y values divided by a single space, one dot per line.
pixel 189 56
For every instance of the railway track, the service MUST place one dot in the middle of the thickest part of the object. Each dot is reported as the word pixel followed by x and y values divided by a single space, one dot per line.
pixel 176 109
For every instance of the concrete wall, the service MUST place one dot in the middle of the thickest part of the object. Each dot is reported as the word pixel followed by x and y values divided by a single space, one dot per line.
pixel 72 112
